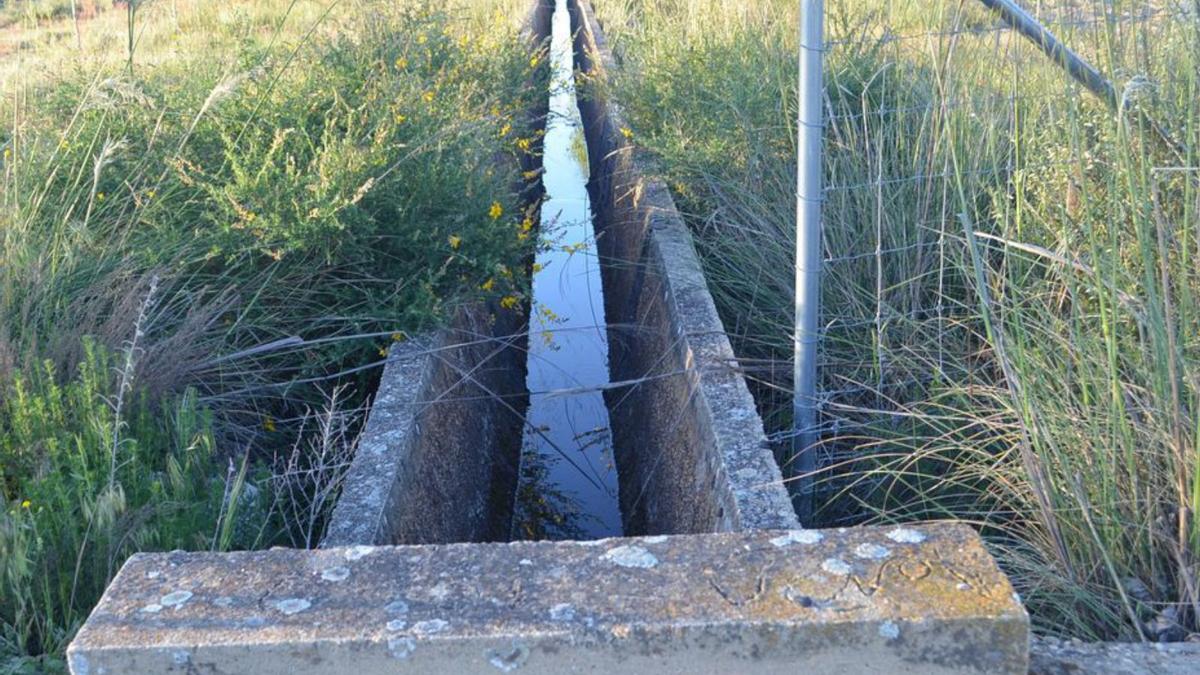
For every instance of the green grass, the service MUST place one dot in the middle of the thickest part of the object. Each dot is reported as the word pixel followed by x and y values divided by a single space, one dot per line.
pixel 12 11
pixel 1012 297
pixel 210 234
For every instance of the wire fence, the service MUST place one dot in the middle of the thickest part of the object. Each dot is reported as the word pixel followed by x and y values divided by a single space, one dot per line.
pixel 939 111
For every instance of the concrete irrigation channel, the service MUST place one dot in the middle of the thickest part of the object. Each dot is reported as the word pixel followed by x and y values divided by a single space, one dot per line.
pixel 417 573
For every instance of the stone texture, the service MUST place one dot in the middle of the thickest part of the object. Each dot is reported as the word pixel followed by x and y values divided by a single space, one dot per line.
pixel 690 446
pixel 847 601
pixel 1070 657
pixel 437 460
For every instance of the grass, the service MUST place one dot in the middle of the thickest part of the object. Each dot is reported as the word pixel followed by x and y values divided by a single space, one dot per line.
pixel 1011 298
pixel 12 11
pixel 214 220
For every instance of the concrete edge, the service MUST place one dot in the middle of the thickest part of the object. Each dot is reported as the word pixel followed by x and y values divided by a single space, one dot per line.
pixel 437 459
pixel 748 467
pixel 925 599
pixel 385 443
pixel 371 499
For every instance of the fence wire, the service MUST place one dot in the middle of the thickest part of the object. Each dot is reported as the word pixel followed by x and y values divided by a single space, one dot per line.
pixel 938 112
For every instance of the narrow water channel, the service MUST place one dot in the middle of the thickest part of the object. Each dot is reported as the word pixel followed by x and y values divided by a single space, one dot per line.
pixel 568 480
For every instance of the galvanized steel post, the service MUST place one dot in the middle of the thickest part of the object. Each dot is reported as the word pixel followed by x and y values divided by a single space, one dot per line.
pixel 1083 72
pixel 809 254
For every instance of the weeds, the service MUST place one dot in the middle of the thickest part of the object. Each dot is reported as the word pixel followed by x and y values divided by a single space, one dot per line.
pixel 209 230
pixel 1010 294
pixel 95 474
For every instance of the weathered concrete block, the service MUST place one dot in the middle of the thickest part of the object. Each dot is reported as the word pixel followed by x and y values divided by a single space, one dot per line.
pixel 437 460
pixel 690 446
pixel 877 600
pixel 1049 656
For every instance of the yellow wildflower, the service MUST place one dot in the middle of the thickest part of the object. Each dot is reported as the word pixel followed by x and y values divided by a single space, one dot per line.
pixel 7 153
pixel 538 267
pixel 524 144
pixel 268 424
pixel 509 302
pixel 421 39
pixel 26 504
pixel 428 96
pixel 504 130
pixel 399 337
pixel 401 119
pixel 383 352
pixel 496 211
pixel 527 224
pixel 455 241
pixel 99 196
pixel 627 132
pixel 489 284
pixel 150 194
pixel 401 63
pixel 533 63
pixel 530 175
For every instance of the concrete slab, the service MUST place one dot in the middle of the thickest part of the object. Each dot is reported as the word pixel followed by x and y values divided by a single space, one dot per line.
pixel 894 600
pixel 1049 656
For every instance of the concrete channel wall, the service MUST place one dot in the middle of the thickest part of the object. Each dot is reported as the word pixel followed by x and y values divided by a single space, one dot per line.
pixel 439 457
pixel 437 460
pixel 751 594
pixel 690 448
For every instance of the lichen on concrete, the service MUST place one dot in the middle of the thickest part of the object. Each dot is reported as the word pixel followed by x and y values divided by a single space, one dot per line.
pixel 631 556
pixel 798 537
pixel 715 603
pixel 906 535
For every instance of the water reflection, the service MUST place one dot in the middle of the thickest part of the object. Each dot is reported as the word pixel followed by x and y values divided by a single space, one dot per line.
pixel 568 483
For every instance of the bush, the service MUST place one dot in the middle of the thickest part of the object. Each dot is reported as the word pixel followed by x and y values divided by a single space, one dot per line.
pixel 92 473
pixel 242 237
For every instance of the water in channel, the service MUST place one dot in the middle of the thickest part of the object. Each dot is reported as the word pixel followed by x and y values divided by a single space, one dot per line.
pixel 568 481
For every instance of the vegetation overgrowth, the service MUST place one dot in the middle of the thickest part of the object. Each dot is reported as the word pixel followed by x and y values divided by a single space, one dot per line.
pixel 215 217
pixel 1012 293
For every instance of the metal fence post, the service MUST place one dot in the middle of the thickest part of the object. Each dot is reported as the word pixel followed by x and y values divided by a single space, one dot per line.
pixel 809 254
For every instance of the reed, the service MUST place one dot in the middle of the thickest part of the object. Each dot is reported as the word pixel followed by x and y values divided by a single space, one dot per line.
pixel 1011 287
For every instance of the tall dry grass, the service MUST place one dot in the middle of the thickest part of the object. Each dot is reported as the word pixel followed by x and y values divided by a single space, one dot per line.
pixel 1010 296
pixel 214 219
